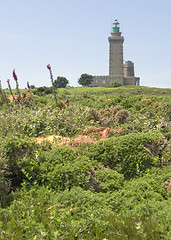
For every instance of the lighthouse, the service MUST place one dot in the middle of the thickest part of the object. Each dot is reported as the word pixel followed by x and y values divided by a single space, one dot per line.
pixel 118 71
pixel 116 51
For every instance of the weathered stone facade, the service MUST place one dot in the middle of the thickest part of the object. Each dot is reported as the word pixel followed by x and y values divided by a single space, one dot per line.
pixel 102 81
pixel 129 69
pixel 116 54
pixel 123 73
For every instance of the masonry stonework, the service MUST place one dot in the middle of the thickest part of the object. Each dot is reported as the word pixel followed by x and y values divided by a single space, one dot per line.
pixel 123 73
pixel 116 54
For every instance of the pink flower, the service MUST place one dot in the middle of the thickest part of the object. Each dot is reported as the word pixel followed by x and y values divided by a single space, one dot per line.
pixel 49 67
pixel 28 86
pixel 17 102
pixel 14 75
pixel 8 80
pixel 67 101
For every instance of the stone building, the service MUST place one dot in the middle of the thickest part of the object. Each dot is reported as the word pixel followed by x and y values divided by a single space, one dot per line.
pixel 123 73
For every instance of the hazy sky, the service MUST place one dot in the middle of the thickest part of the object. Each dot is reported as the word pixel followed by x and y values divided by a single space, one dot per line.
pixel 72 36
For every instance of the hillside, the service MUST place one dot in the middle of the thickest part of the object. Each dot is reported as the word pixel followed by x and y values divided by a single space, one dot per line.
pixel 97 166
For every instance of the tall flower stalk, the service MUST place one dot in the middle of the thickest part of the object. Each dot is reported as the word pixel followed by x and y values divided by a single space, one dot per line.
pixel 17 85
pixel 5 97
pixel 53 86
pixel 9 86
pixel 28 86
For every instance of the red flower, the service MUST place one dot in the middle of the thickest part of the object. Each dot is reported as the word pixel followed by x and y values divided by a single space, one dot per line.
pixel 49 67
pixel 14 75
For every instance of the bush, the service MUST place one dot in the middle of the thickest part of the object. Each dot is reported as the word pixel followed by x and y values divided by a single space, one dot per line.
pixel 122 116
pixel 42 214
pixel 69 175
pixel 43 90
pixel 18 152
pixel 110 180
pixel 115 84
pixel 107 116
pixel 93 114
pixel 126 154
pixel 62 169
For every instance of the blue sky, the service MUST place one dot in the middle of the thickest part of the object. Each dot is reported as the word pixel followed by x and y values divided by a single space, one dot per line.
pixel 72 36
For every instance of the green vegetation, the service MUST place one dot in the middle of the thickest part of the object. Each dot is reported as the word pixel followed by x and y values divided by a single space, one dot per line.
pixel 61 82
pixel 85 79
pixel 95 167
pixel 114 84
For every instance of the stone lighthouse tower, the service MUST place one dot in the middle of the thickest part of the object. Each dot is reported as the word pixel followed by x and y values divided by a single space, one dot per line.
pixel 116 51
pixel 118 71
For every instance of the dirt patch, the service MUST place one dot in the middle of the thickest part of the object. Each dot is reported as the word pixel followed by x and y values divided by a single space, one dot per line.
pixel 16 97
pixel 77 141
pixel 92 136
pixel 51 139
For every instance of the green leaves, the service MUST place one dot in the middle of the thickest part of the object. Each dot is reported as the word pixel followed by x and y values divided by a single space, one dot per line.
pixel 126 154
pixel 85 79
pixel 118 188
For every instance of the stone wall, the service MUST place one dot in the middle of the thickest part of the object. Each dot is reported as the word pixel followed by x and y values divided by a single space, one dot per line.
pixel 102 81
pixel 131 81
pixel 128 69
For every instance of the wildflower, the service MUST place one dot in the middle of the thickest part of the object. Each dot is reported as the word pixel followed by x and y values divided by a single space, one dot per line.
pixel 17 85
pixel 17 102
pixel 28 86
pixel 67 100
pixel 8 80
pixel 49 67
pixel 51 77
pixel 14 75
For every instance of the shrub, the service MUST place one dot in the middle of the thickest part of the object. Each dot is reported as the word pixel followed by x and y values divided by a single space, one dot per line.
pixel 58 155
pixel 17 150
pixel 126 154
pixel 107 115
pixel 43 90
pixel 93 114
pixel 69 175
pixel 5 183
pixel 122 116
pixel 42 214
pixel 110 180
pixel 115 84
pixel 138 196
pixel 62 169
